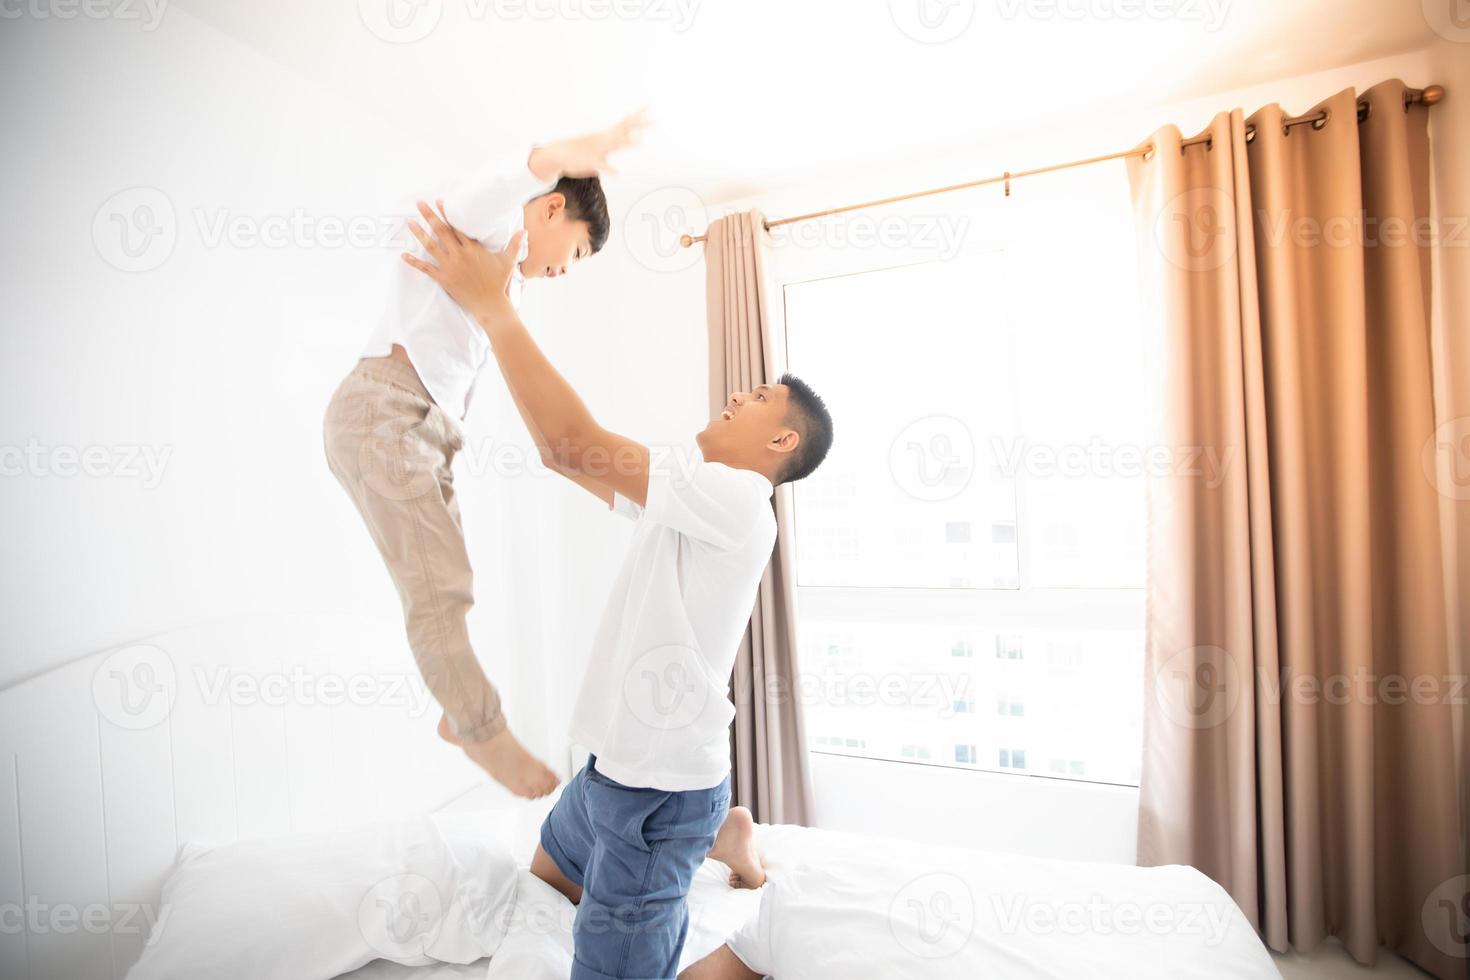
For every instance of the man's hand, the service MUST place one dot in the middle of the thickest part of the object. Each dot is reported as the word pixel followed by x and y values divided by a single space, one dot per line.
pixel 586 156
pixel 476 280
pixel 473 276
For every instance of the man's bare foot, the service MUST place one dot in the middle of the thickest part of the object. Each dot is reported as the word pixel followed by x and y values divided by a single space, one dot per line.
pixel 735 846
pixel 507 762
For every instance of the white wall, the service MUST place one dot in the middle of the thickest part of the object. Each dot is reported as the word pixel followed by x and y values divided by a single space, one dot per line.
pixel 637 311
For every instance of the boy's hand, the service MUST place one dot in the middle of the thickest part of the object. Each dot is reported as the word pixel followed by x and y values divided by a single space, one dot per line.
pixel 473 276
pixel 586 156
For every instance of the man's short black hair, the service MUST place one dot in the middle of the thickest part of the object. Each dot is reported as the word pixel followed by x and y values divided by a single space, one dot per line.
pixel 808 415
pixel 586 202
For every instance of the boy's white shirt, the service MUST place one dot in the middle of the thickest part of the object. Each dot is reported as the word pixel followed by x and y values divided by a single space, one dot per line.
pixel 654 706
pixel 447 347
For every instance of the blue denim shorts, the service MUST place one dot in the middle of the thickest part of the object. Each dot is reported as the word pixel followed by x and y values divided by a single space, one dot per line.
pixel 634 852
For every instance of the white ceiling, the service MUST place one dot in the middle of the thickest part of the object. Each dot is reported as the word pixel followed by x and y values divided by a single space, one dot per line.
pixel 746 94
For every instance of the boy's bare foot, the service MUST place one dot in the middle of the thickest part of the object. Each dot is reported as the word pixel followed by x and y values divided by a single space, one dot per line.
pixel 735 846
pixel 507 762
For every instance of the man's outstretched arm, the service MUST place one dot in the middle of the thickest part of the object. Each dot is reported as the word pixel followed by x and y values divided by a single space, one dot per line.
pixel 592 486
pixel 476 279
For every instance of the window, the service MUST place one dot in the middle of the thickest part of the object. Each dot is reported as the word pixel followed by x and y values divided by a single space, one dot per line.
pixel 1010 707
pixel 1007 647
pixel 985 490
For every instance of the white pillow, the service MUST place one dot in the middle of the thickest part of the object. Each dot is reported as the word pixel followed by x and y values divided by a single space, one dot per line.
pixel 317 905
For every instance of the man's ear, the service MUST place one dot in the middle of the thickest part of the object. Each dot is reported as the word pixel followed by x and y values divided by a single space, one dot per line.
pixel 786 441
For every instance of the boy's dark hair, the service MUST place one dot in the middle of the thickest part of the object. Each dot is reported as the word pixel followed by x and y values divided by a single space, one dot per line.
pixel 586 202
pixel 808 415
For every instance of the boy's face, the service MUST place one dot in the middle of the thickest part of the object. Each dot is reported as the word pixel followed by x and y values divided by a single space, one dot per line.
pixel 556 241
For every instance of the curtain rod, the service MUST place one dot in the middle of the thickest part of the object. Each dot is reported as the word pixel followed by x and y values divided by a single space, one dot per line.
pixel 1426 96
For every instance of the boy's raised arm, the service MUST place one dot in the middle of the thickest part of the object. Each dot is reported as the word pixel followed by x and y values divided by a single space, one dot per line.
pixel 477 206
pixel 476 279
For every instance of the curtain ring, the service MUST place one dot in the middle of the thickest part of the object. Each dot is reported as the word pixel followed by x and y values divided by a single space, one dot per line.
pixel 1321 120
pixel 1008 183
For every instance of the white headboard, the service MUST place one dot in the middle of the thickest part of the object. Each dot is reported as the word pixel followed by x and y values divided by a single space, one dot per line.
pixel 220 732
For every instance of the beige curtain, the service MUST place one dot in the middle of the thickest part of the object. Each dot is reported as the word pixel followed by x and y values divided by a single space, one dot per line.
pixel 772 774
pixel 1298 740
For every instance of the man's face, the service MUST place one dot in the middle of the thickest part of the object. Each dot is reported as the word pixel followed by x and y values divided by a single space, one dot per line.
pixel 751 426
pixel 556 241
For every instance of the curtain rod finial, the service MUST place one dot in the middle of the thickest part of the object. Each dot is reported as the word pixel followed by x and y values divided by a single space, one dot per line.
pixel 686 240
pixel 1432 94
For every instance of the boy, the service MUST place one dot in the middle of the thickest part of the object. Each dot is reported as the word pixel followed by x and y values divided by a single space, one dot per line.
pixel 629 830
pixel 393 427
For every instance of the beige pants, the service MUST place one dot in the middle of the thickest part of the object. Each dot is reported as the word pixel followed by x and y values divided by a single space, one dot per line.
pixel 391 448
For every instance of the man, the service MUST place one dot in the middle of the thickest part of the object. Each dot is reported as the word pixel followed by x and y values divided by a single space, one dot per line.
pixel 629 830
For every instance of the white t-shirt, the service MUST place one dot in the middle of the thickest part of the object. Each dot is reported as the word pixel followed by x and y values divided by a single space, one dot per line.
pixel 654 705
pixel 447 347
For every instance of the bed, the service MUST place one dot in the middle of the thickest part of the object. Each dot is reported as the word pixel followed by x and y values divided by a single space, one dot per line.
pixel 96 815
pixel 865 907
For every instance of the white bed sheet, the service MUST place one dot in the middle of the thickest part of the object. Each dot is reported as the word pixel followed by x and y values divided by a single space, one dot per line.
pixel 866 908
pixel 715 909
pixel 1021 918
